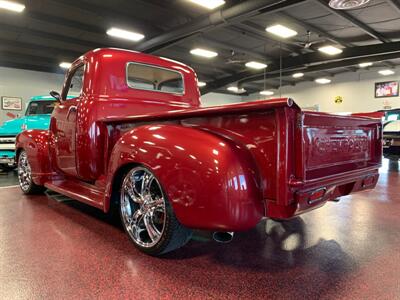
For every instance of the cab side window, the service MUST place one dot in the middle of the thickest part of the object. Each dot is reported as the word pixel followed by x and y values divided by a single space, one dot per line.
pixel 76 83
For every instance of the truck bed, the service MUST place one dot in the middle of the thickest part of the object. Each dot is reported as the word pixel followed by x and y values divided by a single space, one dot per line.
pixel 295 153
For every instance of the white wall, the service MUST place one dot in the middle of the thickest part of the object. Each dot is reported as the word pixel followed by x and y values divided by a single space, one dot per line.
pixel 25 84
pixel 212 99
pixel 356 89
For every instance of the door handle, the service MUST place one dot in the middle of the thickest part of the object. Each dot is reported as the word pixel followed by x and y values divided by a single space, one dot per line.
pixel 72 109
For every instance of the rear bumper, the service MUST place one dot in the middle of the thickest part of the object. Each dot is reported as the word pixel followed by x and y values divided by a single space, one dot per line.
pixel 329 189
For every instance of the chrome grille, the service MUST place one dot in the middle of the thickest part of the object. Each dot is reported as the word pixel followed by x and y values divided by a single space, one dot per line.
pixel 7 143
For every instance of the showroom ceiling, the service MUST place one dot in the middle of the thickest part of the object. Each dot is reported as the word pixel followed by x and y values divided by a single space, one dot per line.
pixel 48 32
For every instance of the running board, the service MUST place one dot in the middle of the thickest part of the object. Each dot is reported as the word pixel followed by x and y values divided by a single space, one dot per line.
pixel 77 190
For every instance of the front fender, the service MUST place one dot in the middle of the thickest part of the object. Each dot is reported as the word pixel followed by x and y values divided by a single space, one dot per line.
pixel 36 145
pixel 211 182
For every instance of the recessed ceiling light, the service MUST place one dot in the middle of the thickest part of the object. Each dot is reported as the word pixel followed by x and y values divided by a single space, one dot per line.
pixel 281 31
pixel 323 80
pixel 13 6
pixel 235 89
pixel 298 75
pixel 365 65
pixel 65 65
pixel 256 65
pixel 330 50
pixel 125 34
pixel 386 72
pixel 203 53
pixel 201 83
pixel 266 93
pixel 210 4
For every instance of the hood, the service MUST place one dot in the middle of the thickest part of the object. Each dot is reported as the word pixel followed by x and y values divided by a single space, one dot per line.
pixel 14 127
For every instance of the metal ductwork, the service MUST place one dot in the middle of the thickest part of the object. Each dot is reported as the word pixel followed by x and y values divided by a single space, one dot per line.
pixel 235 13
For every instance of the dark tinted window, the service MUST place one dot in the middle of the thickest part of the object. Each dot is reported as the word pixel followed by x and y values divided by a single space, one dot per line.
pixel 40 107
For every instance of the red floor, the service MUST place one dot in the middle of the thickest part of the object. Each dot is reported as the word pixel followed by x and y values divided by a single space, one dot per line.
pixel 62 249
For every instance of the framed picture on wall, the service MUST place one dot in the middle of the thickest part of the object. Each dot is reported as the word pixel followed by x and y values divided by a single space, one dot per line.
pixel 386 89
pixel 11 103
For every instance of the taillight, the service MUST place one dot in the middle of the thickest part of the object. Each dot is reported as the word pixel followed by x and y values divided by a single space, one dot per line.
pixel 316 195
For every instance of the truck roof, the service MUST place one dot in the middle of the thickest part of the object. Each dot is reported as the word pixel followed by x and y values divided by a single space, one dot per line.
pixel 134 56
pixel 110 79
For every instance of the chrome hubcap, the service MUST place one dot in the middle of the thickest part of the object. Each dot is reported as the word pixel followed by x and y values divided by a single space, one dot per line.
pixel 24 172
pixel 143 207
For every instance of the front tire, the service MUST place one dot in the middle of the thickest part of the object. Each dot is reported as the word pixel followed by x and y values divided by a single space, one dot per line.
pixel 26 183
pixel 147 215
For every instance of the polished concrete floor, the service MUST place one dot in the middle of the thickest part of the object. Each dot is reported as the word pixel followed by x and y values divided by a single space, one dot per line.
pixel 54 248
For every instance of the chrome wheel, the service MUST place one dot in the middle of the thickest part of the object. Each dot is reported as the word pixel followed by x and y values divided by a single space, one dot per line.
pixel 24 172
pixel 143 207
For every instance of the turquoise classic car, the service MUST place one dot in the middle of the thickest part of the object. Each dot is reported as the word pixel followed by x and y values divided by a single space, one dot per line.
pixel 37 116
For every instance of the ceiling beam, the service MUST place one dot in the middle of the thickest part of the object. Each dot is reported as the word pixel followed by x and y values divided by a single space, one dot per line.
pixel 308 61
pixel 260 31
pixel 327 66
pixel 395 4
pixel 313 29
pixel 51 36
pixel 230 46
pixel 30 47
pixel 25 66
pixel 111 17
pixel 364 27
pixel 222 17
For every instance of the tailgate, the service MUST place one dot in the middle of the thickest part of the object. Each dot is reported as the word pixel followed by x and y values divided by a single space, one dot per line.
pixel 333 144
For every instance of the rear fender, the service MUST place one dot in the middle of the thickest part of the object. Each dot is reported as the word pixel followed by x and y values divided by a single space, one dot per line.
pixel 210 182
pixel 36 145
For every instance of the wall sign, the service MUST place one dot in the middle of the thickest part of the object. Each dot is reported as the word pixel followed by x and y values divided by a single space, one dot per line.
pixel 11 103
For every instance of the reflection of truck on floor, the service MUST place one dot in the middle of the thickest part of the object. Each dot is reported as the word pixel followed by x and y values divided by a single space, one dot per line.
pixel 37 116
pixel 391 134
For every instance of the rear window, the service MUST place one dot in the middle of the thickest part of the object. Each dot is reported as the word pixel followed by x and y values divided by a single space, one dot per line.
pixel 147 77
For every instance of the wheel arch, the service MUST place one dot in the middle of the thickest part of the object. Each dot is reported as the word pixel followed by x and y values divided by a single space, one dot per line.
pixel 209 182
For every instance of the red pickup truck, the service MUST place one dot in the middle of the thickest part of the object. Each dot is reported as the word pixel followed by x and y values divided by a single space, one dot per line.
pixel 136 138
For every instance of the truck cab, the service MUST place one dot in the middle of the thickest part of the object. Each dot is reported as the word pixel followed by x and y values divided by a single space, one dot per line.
pixel 134 138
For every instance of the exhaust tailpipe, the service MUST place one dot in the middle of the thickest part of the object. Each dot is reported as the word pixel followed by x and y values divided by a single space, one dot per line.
pixel 222 237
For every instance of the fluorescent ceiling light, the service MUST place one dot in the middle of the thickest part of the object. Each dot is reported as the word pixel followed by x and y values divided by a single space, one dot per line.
pixel 13 6
pixel 256 65
pixel 386 72
pixel 330 50
pixel 298 75
pixel 323 80
pixel 235 89
pixel 203 53
pixel 210 4
pixel 267 93
pixel 65 65
pixel 281 31
pixel 125 34
pixel 201 84
pixel 365 65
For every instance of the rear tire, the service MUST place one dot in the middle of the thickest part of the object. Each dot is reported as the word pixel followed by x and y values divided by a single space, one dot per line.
pixel 147 216
pixel 26 183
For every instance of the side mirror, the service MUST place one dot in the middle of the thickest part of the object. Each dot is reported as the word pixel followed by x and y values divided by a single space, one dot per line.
pixel 55 95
